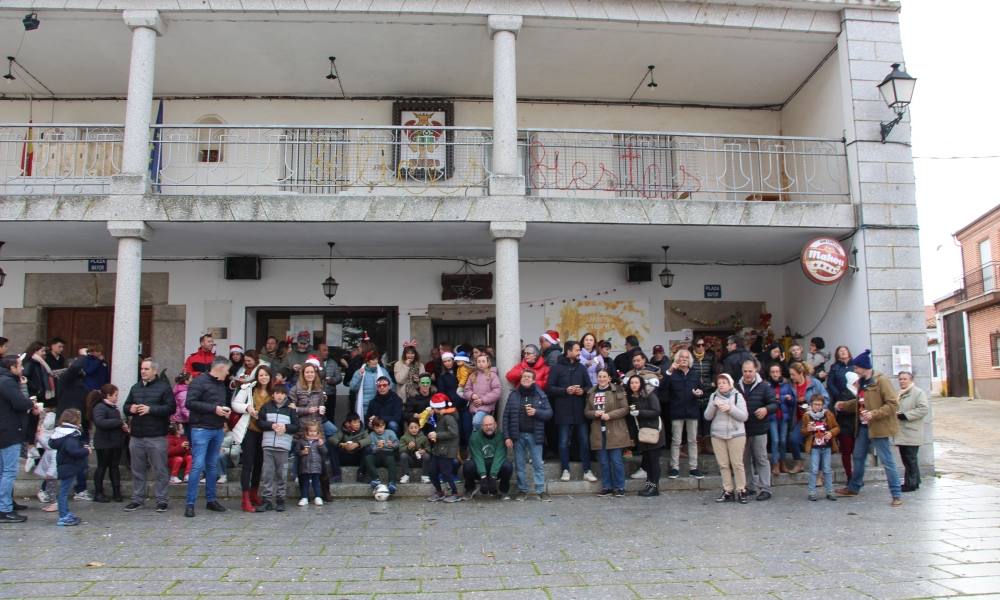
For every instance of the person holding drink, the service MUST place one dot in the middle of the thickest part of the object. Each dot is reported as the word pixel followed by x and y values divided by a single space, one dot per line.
pixel 209 409
pixel 524 418
pixel 686 392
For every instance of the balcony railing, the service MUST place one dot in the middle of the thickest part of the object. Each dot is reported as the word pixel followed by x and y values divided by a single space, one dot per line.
pixel 59 158
pixel 979 282
pixel 279 159
pixel 677 166
pixel 303 159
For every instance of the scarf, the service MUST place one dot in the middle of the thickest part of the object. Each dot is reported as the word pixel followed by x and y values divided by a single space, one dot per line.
pixel 817 416
pixel 697 355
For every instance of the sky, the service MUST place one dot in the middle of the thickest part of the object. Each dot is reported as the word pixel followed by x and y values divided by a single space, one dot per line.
pixel 947 46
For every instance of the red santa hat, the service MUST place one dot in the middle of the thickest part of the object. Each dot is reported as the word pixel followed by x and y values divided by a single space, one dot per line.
pixel 236 348
pixel 314 361
pixel 551 336
pixel 439 401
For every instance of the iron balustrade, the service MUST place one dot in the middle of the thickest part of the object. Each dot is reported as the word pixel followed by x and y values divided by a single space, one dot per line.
pixel 979 281
pixel 323 159
pixel 56 158
pixel 677 166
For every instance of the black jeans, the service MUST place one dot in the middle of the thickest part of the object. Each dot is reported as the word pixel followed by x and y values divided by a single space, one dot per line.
pixel 251 460
pixel 472 475
pixel 651 465
pixel 911 465
pixel 108 460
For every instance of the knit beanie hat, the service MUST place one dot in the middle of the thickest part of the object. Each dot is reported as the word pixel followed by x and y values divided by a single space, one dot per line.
pixel 863 360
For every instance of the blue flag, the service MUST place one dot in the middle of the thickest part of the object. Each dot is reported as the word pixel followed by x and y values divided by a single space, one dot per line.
pixel 155 159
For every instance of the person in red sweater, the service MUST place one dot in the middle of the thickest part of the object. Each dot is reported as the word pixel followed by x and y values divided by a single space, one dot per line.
pixel 201 361
pixel 178 454
pixel 531 359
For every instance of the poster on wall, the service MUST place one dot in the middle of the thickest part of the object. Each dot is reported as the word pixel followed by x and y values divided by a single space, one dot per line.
pixel 334 334
pixel 902 359
pixel 614 319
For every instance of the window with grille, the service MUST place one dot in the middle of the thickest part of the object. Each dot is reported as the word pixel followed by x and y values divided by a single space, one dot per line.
pixel 314 160
pixel 645 166
pixel 995 348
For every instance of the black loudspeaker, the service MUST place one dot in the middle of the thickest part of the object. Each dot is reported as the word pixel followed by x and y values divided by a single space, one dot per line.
pixel 639 272
pixel 242 267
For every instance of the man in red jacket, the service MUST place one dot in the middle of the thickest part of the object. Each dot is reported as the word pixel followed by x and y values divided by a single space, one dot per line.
pixel 201 361
pixel 531 359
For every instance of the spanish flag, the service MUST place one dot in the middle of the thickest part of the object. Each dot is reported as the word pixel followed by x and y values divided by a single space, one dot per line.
pixel 27 154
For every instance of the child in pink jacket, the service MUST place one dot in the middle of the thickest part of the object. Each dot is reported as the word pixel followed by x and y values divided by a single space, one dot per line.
pixel 482 390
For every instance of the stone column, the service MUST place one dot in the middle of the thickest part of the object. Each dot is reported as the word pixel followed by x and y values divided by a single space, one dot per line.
pixel 145 26
pixel 506 178
pixel 883 187
pixel 506 236
pixel 128 281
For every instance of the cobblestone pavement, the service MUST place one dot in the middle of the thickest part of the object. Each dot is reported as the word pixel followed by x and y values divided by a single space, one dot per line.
pixel 944 542
pixel 966 439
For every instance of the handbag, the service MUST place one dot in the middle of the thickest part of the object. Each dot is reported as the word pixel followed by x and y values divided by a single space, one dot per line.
pixel 650 435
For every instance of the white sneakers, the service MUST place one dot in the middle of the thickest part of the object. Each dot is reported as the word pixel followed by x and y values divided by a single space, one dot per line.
pixel 425 479
pixel 640 474
pixel 318 501
pixel 304 501
pixel 222 479
pixel 589 476
pixel 404 479
pixel 84 495
pixel 44 497
pixel 175 480
pixel 565 475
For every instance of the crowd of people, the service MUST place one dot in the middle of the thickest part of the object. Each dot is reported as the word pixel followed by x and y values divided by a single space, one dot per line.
pixel 760 408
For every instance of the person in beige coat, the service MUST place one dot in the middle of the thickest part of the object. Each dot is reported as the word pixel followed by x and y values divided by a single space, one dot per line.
pixel 727 412
pixel 607 407
pixel 913 409
pixel 875 416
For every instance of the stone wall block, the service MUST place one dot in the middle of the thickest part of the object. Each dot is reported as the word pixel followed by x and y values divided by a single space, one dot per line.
pixel 889 193
pixel 894 279
pixel 878 257
pixel 896 321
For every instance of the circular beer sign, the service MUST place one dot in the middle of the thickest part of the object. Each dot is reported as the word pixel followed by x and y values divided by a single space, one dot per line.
pixel 824 261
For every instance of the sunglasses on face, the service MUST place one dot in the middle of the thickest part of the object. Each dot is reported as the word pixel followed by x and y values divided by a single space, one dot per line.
pixel 700 344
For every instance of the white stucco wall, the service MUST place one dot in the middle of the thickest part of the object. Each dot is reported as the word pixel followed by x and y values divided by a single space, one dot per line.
pixel 367 112
pixel 412 285
pixel 816 109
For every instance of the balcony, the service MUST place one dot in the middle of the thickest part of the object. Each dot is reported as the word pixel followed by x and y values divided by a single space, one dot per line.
pixel 281 160
pixel 979 288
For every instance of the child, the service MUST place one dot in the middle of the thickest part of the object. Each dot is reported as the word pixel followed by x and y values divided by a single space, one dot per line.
pixel 71 460
pixel 351 443
pixel 312 453
pixel 444 449
pixel 727 411
pixel 47 468
pixel 109 439
pixel 414 446
pixel 229 453
pixel 278 420
pixel 820 429
pixel 178 454
pixel 384 444
pixel 181 414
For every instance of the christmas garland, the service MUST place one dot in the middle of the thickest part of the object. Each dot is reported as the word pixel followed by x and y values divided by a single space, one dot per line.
pixel 735 319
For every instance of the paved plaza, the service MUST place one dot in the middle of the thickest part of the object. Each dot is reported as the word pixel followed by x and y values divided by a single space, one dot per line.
pixel 944 542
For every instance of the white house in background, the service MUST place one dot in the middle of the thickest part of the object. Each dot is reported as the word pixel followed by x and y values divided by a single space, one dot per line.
pixel 935 349
pixel 487 171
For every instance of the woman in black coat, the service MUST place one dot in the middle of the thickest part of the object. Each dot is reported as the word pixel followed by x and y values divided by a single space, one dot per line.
pixel 644 407
pixel 109 439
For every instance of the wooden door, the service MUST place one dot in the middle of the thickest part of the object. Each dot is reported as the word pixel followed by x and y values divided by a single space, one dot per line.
pixel 956 367
pixel 83 327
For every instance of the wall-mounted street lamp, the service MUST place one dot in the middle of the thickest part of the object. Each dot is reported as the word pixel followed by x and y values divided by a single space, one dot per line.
pixel 897 91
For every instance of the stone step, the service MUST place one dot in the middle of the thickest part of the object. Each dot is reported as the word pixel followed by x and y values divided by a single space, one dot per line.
pixel 26 488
